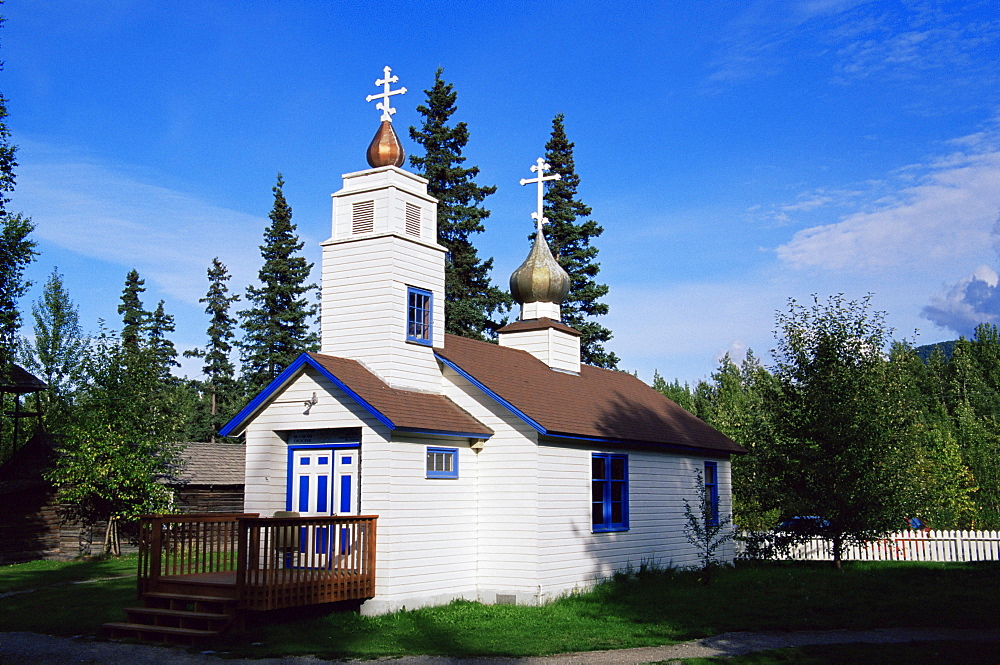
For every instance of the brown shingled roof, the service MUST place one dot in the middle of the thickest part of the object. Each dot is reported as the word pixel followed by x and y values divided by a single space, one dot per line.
pixel 406 409
pixel 597 403
pixel 211 464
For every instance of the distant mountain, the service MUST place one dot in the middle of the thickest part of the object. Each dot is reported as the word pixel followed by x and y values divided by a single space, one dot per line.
pixel 925 351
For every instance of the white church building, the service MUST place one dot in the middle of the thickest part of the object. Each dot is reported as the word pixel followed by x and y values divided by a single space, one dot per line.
pixel 504 473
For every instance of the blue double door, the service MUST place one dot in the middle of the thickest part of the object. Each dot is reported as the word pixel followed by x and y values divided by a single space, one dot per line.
pixel 324 482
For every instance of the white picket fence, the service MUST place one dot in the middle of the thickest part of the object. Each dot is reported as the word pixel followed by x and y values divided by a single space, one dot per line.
pixel 909 546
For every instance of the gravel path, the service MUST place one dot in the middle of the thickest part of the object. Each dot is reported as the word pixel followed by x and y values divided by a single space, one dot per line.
pixel 18 648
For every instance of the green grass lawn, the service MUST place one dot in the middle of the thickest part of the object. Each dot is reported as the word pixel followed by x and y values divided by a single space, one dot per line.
pixel 658 608
pixel 37 574
pixel 651 608
pixel 67 597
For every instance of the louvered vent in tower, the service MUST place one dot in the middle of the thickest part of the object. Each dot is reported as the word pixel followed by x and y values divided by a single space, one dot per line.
pixel 413 219
pixel 363 217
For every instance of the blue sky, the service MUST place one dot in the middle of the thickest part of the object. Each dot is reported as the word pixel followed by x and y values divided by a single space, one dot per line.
pixel 738 154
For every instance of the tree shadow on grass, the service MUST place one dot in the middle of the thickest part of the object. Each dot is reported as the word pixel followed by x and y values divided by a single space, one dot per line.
pixel 68 609
pixel 39 574
pixel 801 596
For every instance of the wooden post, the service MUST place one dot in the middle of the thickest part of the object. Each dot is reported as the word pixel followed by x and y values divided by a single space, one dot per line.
pixel 155 545
pixel 242 556
pixel 142 574
pixel 370 556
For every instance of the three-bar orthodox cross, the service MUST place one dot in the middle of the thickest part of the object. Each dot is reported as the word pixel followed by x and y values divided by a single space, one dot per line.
pixel 540 168
pixel 383 105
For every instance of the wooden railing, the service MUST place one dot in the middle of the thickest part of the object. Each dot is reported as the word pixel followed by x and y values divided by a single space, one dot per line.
pixel 273 562
pixel 187 545
pixel 296 561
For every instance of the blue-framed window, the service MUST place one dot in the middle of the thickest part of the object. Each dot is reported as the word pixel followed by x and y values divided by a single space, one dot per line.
pixel 419 304
pixel 609 492
pixel 712 493
pixel 442 462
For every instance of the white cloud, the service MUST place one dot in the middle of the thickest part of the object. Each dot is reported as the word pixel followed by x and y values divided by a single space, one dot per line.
pixel 963 306
pixel 737 352
pixel 808 202
pixel 945 217
pixel 169 237
pixel 757 40
pixel 863 40
pixel 925 41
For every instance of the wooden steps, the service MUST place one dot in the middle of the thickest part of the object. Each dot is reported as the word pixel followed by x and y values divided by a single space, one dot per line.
pixel 166 597
pixel 150 615
pixel 176 617
pixel 147 633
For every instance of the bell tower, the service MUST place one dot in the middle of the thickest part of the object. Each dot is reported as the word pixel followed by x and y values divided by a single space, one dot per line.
pixel 383 271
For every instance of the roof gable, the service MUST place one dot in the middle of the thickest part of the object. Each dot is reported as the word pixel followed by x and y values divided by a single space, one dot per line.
pixel 597 404
pixel 396 409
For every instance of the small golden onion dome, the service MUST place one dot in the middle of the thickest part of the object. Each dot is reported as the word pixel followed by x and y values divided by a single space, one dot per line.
pixel 540 278
pixel 385 149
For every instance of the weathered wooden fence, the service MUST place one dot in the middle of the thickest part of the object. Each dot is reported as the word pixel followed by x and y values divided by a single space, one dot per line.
pixel 903 546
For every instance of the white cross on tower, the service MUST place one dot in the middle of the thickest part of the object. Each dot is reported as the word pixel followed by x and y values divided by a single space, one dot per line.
pixel 540 168
pixel 383 105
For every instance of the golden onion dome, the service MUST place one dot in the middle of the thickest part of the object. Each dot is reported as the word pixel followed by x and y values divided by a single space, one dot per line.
pixel 540 278
pixel 385 148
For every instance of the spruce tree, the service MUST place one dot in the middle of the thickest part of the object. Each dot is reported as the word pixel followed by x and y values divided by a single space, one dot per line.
pixel 472 304
pixel 163 350
pixel 135 318
pixel 219 389
pixel 146 351
pixel 277 325
pixel 569 235
pixel 17 250
pixel 8 152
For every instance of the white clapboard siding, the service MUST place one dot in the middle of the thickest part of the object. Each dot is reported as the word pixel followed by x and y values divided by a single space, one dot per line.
pixel 554 347
pixel 571 555
pixel 507 497
pixel 267 451
pixel 365 283
pixel 910 545
pixel 509 504
pixel 427 538
pixel 388 189
pixel 565 350
pixel 534 509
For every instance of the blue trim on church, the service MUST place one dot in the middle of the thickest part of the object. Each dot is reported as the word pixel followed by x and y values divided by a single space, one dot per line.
pixel 500 400
pixel 293 370
pixel 285 377
pixel 581 438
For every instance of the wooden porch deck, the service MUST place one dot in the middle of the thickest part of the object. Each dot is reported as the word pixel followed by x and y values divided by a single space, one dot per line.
pixel 198 573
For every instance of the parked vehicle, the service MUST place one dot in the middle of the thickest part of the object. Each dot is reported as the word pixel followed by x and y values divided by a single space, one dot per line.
pixel 810 525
